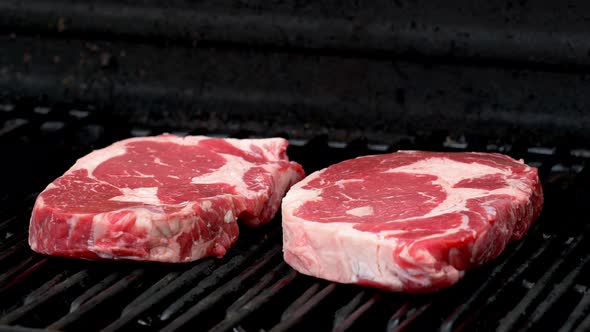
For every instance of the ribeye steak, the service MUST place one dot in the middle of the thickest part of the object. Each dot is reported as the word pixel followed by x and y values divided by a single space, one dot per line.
pixel 408 221
pixel 163 198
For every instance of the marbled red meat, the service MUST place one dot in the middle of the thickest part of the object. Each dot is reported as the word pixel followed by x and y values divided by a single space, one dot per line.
pixel 164 198
pixel 408 221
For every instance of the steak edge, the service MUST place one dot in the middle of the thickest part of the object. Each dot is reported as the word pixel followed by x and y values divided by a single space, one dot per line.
pixel 408 221
pixel 164 198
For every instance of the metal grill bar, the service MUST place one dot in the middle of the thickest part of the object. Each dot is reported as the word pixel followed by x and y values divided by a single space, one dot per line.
pixel 288 321
pixel 453 322
pixel 345 318
pixel 45 287
pixel 93 291
pixel 208 283
pixel 7 223
pixel 511 319
pixel 12 250
pixel 558 290
pixel 22 275
pixel 136 308
pixel 155 289
pixel 237 313
pixel 515 277
pixel 344 312
pixel 579 312
pixel 21 268
pixel 254 290
pixel 410 316
pixel 207 303
pixel 585 324
pixel 64 286
pixel 298 302
pixel 170 284
pixel 107 294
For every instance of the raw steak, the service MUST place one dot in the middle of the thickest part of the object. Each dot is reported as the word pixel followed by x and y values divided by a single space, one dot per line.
pixel 164 198
pixel 408 221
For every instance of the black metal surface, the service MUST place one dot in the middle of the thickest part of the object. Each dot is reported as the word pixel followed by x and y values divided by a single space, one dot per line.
pixel 384 69
pixel 541 281
pixel 540 31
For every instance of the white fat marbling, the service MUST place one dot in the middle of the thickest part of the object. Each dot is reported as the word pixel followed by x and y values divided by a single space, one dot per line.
pixel 146 195
pixel 361 211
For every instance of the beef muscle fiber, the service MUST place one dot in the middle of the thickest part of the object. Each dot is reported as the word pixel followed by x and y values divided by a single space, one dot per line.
pixel 163 198
pixel 408 221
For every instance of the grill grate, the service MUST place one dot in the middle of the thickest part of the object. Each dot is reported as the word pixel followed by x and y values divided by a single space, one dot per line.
pixel 539 281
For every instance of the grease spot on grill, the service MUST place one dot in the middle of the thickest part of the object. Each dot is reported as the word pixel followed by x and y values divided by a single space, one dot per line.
pixel 541 150
pixel 12 124
pixel 454 144
pixel 298 142
pixel 580 153
pixel 140 132
pixel 180 133
pixel 42 110
pixel 581 288
pixel 505 148
pixel 378 147
pixel 535 164
pixel 145 322
pixel 79 114
pixel 337 145
pixel 527 284
pixel 559 168
pixel 6 107
pixel 52 126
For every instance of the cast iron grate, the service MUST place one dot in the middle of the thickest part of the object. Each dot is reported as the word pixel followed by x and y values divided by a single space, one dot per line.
pixel 540 281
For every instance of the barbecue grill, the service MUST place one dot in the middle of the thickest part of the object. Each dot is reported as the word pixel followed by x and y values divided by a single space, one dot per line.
pixel 338 81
